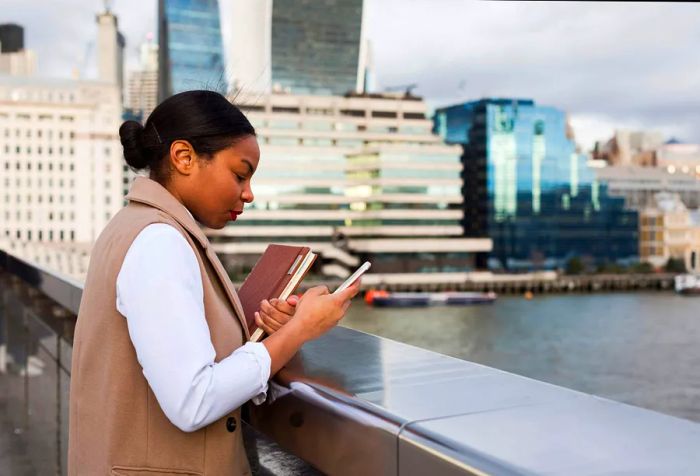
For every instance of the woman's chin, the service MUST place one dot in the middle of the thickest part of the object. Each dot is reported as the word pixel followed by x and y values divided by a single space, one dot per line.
pixel 220 225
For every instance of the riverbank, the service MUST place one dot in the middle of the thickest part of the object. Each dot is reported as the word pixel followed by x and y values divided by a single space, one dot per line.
pixel 536 283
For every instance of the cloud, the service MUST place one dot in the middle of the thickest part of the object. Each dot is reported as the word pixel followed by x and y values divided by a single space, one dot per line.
pixel 604 63
pixel 632 63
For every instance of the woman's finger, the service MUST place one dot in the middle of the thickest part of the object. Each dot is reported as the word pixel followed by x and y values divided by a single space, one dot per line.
pixel 267 324
pixel 273 313
pixel 283 307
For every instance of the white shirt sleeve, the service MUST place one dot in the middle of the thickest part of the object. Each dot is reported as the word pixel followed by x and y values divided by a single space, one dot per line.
pixel 159 291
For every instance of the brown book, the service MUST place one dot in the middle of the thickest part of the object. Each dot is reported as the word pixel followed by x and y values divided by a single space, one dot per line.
pixel 277 274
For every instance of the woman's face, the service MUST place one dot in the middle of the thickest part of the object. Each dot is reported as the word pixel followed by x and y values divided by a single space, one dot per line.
pixel 218 189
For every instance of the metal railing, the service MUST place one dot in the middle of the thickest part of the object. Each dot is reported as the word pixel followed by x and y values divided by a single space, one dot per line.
pixel 354 403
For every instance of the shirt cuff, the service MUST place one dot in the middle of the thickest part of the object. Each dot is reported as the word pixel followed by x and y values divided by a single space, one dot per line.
pixel 261 356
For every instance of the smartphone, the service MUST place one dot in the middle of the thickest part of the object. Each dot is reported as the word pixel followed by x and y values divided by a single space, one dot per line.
pixel 354 277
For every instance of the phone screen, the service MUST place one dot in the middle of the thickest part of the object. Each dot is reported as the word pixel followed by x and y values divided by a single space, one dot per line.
pixel 354 276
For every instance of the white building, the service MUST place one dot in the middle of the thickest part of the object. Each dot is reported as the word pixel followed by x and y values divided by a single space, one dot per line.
pixel 679 158
pixel 110 45
pixel 15 59
pixel 142 91
pixel 639 185
pixel 60 159
pixel 354 178
pixel 246 28
pixel 19 63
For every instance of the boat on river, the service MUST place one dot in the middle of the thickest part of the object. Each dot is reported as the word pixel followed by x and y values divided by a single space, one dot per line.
pixel 407 299
pixel 687 284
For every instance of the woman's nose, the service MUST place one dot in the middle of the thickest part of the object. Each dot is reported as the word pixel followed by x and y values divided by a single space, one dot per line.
pixel 247 195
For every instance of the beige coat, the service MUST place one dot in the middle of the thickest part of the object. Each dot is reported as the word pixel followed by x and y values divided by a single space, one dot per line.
pixel 116 424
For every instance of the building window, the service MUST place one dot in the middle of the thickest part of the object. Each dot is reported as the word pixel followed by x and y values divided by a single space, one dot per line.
pixel 384 114
pixel 289 110
pixel 352 112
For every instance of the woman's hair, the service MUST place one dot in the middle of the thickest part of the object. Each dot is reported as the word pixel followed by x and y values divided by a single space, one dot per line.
pixel 205 119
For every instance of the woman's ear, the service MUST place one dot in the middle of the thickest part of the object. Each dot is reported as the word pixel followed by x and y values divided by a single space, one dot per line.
pixel 182 157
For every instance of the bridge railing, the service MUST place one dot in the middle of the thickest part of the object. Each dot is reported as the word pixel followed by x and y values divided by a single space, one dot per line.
pixel 354 403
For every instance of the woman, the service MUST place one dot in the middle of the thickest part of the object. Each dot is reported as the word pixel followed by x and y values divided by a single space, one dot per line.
pixel 160 363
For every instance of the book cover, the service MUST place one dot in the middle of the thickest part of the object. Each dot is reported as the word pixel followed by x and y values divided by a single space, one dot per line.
pixel 277 274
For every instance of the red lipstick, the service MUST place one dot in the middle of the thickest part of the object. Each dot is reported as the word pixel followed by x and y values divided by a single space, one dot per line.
pixel 234 215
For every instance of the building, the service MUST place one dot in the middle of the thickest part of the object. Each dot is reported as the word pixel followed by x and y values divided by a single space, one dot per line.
pixel 249 23
pixel 669 230
pixel 297 46
pixel 355 178
pixel 14 58
pixel 110 45
pixel 316 46
pixel 527 187
pixel 142 91
pixel 677 157
pixel 639 185
pixel 60 159
pixel 11 38
pixel 190 54
pixel 630 148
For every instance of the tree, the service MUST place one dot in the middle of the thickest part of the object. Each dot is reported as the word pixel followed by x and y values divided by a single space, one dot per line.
pixel 675 265
pixel 574 266
pixel 610 268
pixel 642 268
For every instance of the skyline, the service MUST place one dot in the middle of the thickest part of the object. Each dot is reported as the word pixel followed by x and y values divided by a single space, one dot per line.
pixel 566 55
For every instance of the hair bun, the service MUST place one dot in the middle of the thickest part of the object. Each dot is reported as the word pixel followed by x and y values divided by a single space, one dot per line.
pixel 131 137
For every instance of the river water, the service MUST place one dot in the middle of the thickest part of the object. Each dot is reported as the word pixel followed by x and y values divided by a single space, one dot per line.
pixel 638 348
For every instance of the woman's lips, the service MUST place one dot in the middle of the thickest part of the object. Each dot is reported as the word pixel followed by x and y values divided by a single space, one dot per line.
pixel 234 215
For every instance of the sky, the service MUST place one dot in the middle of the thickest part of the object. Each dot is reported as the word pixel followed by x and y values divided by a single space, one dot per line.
pixel 608 65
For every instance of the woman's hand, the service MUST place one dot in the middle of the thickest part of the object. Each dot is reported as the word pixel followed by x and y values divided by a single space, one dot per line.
pixel 275 313
pixel 316 313
pixel 318 310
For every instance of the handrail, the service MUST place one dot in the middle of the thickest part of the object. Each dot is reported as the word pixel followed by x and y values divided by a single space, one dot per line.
pixel 354 403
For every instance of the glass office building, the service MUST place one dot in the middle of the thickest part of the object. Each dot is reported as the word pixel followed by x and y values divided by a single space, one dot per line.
pixel 316 46
pixel 190 52
pixel 527 187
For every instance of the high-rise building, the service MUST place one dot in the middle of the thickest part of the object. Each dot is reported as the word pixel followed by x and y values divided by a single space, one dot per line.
pixel 11 38
pixel 60 159
pixel 110 47
pixel 142 90
pixel 190 51
pixel 527 187
pixel 354 178
pixel 247 32
pixel 318 47
pixel 14 58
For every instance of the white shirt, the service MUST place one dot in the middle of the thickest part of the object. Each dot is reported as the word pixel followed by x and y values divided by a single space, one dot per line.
pixel 159 291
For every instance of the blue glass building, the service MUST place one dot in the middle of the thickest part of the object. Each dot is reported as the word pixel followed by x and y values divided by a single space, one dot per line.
pixel 316 46
pixel 190 54
pixel 527 188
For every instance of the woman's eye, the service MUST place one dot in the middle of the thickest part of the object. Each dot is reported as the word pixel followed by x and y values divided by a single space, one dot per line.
pixel 240 178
